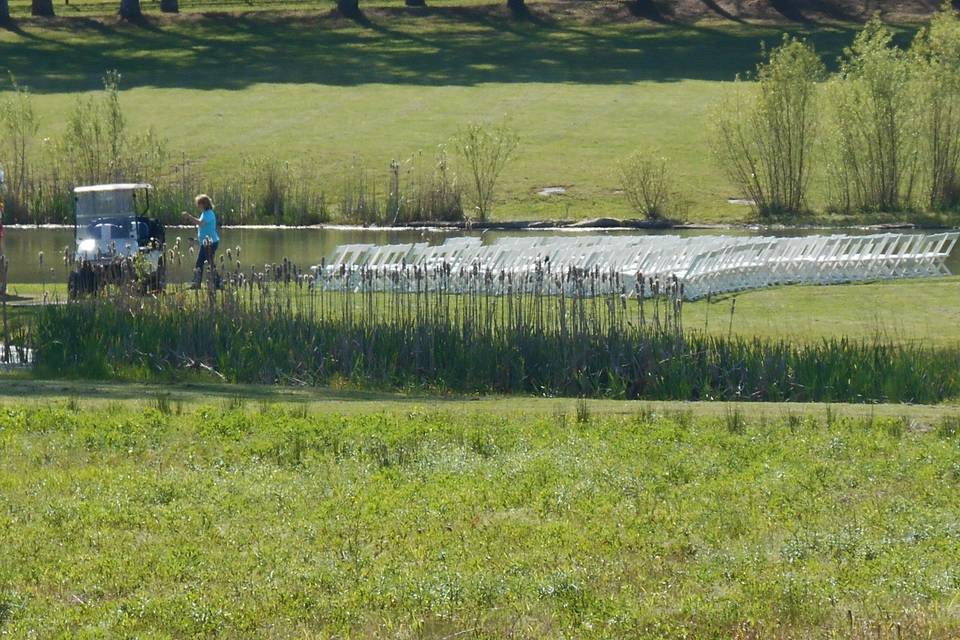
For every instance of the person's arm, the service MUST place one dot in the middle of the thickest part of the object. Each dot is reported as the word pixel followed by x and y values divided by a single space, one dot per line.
pixel 192 219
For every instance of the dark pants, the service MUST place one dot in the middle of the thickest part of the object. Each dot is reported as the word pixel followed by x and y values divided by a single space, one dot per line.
pixel 205 255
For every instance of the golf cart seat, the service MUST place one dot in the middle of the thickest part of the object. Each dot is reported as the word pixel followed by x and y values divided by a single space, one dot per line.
pixel 149 230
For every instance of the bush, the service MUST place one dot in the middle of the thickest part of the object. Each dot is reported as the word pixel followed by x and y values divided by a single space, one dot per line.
pixel 764 133
pixel 18 127
pixel 935 58
pixel 874 159
pixel 97 148
pixel 648 187
pixel 485 151
pixel 284 192
pixel 427 191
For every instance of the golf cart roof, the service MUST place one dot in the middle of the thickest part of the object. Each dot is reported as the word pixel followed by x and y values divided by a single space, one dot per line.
pixel 127 186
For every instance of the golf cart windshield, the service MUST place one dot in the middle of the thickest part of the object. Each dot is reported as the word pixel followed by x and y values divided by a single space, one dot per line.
pixel 109 222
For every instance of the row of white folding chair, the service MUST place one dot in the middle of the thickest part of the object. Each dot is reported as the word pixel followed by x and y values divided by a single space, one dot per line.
pixel 752 264
pixel 729 268
pixel 347 255
pixel 928 255
pixel 820 260
pixel 872 257
pixel 704 263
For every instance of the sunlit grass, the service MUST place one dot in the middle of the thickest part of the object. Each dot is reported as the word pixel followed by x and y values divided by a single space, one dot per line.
pixel 581 94
pixel 245 519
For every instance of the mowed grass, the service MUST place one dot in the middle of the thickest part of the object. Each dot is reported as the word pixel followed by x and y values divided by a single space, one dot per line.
pixel 237 519
pixel 903 311
pixel 582 92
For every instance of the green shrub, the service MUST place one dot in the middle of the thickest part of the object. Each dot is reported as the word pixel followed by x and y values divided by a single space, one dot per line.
pixel 873 163
pixel 648 187
pixel 763 135
pixel 935 58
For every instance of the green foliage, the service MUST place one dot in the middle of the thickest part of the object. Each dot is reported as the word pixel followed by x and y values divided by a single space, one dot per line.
pixel 484 151
pixel 128 522
pixel 427 190
pixel 649 188
pixel 18 130
pixel 96 147
pixel 935 61
pixel 763 135
pixel 281 192
pixel 583 411
pixel 874 155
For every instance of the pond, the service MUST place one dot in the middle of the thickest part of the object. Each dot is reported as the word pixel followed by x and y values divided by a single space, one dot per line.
pixel 305 246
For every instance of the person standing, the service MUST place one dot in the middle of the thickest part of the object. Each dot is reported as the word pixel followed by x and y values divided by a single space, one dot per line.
pixel 207 238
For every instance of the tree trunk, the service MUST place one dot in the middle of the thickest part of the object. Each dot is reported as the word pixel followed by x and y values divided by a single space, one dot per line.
pixel 4 10
pixel 348 7
pixel 130 9
pixel 42 8
pixel 170 6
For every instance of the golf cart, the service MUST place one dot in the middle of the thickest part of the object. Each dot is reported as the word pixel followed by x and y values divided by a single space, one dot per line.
pixel 116 243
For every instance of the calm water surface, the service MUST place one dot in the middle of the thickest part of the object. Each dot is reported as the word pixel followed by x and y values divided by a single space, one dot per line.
pixel 301 246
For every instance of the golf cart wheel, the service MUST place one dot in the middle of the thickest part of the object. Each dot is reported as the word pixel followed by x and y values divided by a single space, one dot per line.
pixel 161 276
pixel 73 286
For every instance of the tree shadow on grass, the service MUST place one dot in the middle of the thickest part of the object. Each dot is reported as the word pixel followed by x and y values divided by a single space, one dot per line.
pixel 459 46
pixel 16 388
pixel 11 26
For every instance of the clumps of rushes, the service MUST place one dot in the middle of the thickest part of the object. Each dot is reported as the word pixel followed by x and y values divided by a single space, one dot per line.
pixel 580 333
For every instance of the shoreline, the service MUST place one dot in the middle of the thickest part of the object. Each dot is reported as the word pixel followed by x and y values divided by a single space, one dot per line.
pixel 605 224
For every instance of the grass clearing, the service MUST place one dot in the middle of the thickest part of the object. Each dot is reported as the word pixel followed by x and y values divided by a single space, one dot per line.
pixel 242 519
pixel 903 311
pixel 582 94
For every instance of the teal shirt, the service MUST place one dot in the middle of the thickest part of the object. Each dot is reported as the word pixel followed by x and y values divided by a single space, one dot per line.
pixel 208 227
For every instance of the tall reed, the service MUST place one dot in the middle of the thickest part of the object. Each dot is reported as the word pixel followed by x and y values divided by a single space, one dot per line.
pixel 468 329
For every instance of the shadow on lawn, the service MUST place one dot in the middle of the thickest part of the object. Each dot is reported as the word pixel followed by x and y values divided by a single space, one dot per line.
pixel 443 46
pixel 16 388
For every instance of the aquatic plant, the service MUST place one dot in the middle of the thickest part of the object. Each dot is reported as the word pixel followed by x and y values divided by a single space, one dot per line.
pixel 286 324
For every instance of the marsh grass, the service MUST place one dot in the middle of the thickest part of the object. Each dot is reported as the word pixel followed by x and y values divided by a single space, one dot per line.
pixel 467 330
pixel 734 419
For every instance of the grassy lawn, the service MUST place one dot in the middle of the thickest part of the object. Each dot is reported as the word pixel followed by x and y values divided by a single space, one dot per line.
pixel 177 518
pixel 581 93
pixel 900 310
